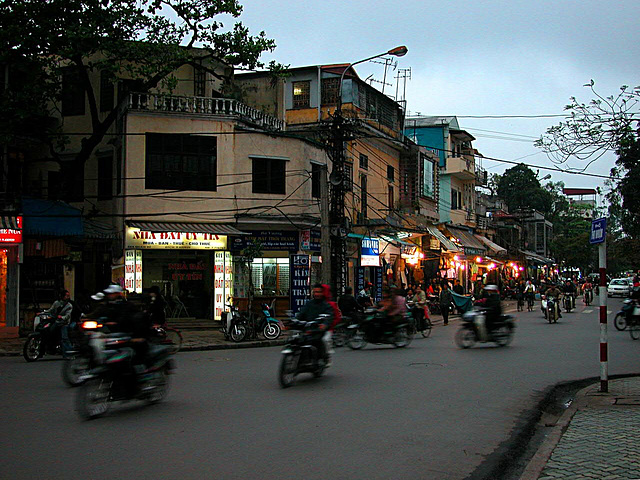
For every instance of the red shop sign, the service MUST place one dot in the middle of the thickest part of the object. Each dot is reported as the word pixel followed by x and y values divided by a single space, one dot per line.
pixel 11 235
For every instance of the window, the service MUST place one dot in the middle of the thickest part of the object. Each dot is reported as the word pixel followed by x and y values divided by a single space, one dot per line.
pixel 427 177
pixel 454 199
pixel 364 161
pixel 301 94
pixel 199 81
pixel 72 93
pixel 106 92
pixel 179 161
pixel 363 195
pixel 391 200
pixel 269 175
pixel 119 170
pixel 270 276
pixel 67 183
pixel 390 173
pixel 105 177
pixel 348 177
pixel 316 178
pixel 329 91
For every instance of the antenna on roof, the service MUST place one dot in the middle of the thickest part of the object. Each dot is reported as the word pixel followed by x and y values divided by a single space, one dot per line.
pixel 388 62
pixel 404 74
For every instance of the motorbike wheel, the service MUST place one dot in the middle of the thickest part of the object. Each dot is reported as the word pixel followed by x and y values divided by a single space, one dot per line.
pixel 288 368
pixel 357 340
pixel 238 332
pixel 321 366
pixel 158 386
pixel 92 399
pixel 402 338
pixel 73 369
pixel 503 336
pixel 32 348
pixel 173 340
pixel 465 338
pixel 339 337
pixel 634 331
pixel 426 332
pixel 271 331
pixel 620 322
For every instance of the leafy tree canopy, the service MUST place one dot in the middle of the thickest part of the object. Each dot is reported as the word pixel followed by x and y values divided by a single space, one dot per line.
pixel 520 188
pixel 143 40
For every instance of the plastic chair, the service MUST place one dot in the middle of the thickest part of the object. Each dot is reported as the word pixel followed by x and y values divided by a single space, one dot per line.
pixel 179 307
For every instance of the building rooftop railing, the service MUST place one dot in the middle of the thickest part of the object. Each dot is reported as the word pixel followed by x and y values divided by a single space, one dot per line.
pixel 165 103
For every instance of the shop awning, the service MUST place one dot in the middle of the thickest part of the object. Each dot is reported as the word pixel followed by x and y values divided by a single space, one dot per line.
pixel 213 228
pixel 534 257
pixel 9 222
pixel 51 218
pixel 494 247
pixel 471 245
pixel 444 241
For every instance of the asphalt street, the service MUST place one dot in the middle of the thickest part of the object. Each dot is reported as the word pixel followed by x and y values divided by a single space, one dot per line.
pixel 428 411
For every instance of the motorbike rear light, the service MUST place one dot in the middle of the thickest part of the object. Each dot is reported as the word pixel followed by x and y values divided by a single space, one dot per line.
pixel 90 325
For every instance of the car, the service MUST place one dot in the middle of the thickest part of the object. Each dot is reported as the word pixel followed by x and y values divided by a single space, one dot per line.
pixel 619 286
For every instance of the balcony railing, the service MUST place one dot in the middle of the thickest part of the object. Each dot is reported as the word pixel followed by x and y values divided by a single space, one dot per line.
pixel 481 176
pixel 461 167
pixel 153 102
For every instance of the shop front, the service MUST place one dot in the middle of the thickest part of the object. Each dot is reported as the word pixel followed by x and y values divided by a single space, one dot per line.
pixel 10 258
pixel 189 263
pixel 463 266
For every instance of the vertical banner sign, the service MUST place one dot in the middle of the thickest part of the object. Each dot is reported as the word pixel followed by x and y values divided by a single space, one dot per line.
pixel 228 275
pixel 305 239
pixel 359 279
pixel 218 285
pixel 378 283
pixel 300 288
pixel 130 270
pixel 138 276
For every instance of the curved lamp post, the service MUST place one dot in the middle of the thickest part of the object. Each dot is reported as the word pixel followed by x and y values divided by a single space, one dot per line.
pixel 396 52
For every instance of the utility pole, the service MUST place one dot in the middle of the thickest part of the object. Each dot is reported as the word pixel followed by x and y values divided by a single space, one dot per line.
pixel 338 258
pixel 325 230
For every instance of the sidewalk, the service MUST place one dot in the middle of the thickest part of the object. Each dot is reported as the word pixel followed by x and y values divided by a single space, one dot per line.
pixel 596 437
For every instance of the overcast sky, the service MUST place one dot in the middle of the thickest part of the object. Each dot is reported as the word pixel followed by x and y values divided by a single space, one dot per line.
pixel 472 59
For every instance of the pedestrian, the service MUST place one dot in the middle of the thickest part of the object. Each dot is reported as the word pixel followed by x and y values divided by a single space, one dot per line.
pixel 457 288
pixel 445 302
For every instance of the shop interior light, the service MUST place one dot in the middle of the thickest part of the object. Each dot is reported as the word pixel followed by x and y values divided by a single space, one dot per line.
pixel 492 266
pixel 456 258
pixel 521 269
pixel 478 259
pixel 462 267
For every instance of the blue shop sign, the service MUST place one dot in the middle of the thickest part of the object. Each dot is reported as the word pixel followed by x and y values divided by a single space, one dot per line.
pixel 370 246
pixel 270 240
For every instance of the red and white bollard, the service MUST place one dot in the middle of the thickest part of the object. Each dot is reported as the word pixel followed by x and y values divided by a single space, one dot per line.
pixel 604 354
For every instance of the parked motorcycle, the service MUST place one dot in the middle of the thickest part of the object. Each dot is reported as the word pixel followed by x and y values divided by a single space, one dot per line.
pixel 45 338
pixel 474 330
pixel 234 324
pixel 116 378
pixel 301 354
pixel 267 325
pixel 375 328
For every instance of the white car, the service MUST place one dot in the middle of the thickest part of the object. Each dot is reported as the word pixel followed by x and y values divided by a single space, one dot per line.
pixel 619 286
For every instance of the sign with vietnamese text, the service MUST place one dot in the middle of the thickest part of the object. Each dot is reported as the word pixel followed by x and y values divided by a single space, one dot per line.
pixel 222 282
pixel 10 235
pixel 300 281
pixel 142 239
pixel 598 231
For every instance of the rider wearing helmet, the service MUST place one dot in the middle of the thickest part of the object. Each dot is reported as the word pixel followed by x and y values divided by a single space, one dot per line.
pixel 490 303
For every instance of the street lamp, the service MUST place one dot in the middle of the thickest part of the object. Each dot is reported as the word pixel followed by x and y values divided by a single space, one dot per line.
pixel 336 249
pixel 396 52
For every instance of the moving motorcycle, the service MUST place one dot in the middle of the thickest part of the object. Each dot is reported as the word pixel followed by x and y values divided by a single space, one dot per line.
pixel 474 330
pixel 81 358
pixel 375 328
pixel 629 314
pixel 569 302
pixel 301 354
pixel 115 377
pixel 423 327
pixel 45 338
pixel 588 296
pixel 550 309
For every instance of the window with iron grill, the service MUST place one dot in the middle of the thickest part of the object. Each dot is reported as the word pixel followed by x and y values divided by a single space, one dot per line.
pixel 301 94
pixel 73 94
pixel 329 91
pixel 364 161
pixel 106 92
pixel 268 175
pixel 390 173
pixel 199 81
pixel 348 177
pixel 316 171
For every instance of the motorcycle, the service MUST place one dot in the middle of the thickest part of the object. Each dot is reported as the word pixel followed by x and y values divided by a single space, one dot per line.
pixel 375 328
pixel 425 326
pixel 114 376
pixel 235 324
pixel 301 354
pixel 569 302
pixel 550 309
pixel 341 331
pixel 588 296
pixel 45 339
pixel 474 330
pixel 81 358
pixel 267 325
pixel 629 314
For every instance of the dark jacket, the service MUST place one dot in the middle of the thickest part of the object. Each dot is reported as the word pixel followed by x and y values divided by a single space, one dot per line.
pixel 156 310
pixel 315 307
pixel 445 297
pixel 348 304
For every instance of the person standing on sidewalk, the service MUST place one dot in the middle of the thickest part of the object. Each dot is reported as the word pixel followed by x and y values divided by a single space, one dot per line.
pixel 445 302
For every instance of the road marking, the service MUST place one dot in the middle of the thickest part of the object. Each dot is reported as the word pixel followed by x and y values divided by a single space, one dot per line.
pixel 587 311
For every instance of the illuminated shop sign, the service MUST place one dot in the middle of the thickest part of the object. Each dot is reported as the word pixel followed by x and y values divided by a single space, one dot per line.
pixel 133 271
pixel 370 252
pixel 10 235
pixel 142 239
pixel 222 282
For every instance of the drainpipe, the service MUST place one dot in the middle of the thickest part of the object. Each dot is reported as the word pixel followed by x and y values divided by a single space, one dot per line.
pixel 319 94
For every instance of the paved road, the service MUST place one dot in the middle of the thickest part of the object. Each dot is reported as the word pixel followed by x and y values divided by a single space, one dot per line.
pixel 428 411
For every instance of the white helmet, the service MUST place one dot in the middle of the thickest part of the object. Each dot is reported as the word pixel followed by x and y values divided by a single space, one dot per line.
pixel 113 289
pixel 98 296
pixel 491 288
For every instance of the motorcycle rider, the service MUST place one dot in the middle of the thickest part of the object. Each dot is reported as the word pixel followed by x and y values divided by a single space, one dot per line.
pixel 394 306
pixel 347 303
pixel 311 311
pixel 62 309
pixel 587 286
pixel 554 292
pixel 530 291
pixel 570 290
pixel 420 303
pixel 364 296
pixel 492 307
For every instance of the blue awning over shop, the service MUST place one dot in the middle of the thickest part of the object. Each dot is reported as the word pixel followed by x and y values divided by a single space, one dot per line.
pixel 51 218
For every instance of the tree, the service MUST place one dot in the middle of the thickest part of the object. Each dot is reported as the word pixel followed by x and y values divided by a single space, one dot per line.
pixel 628 170
pixel 144 41
pixel 520 188
pixel 592 129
